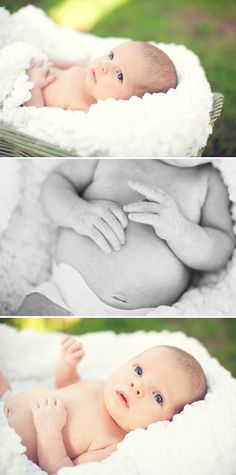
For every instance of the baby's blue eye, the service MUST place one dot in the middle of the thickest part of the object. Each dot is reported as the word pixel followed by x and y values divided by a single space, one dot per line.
pixel 138 370
pixel 120 76
pixel 158 398
pixel 111 55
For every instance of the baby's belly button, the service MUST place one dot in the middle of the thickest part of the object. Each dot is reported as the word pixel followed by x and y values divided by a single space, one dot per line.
pixel 120 301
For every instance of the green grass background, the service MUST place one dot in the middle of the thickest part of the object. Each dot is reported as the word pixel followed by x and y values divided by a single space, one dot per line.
pixel 208 27
pixel 217 334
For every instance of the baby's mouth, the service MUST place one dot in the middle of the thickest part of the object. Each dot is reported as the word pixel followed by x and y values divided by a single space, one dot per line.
pixel 123 398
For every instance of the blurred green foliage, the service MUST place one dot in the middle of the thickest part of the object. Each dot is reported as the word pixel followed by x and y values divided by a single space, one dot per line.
pixel 217 334
pixel 207 27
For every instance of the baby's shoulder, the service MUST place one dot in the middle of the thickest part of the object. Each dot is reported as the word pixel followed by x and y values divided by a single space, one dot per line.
pixel 208 174
pixel 216 189
pixel 90 385
pixel 214 177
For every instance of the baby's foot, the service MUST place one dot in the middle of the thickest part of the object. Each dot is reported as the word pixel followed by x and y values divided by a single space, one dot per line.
pixel 4 384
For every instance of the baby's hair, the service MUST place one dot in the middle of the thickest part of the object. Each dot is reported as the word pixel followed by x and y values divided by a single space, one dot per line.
pixel 193 371
pixel 161 74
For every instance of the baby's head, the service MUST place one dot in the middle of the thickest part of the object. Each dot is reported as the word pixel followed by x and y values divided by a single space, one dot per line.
pixel 153 386
pixel 131 69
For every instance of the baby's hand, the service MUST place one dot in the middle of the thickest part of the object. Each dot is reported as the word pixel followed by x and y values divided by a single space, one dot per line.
pixel 49 415
pixel 41 75
pixel 71 351
pixel 160 211
pixel 104 222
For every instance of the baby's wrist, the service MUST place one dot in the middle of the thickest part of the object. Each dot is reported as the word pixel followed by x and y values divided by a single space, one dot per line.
pixel 78 213
pixel 178 231
pixel 67 363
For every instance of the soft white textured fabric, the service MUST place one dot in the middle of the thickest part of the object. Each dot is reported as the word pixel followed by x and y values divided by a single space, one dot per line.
pixel 199 440
pixel 3 399
pixel 10 195
pixel 171 124
pixel 27 242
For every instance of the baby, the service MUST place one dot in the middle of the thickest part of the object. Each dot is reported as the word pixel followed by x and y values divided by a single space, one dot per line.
pixel 131 232
pixel 83 421
pixel 130 69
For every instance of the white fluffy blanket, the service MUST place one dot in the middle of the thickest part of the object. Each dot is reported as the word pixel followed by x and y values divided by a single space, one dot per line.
pixel 27 238
pixel 199 440
pixel 172 124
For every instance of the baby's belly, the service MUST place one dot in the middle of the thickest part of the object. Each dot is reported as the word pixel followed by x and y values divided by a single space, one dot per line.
pixel 19 417
pixel 144 273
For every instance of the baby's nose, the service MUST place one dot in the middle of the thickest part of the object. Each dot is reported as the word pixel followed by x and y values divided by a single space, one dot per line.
pixel 104 65
pixel 138 389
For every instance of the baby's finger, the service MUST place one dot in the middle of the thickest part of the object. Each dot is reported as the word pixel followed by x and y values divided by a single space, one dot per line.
pixel 46 67
pixel 109 234
pixel 78 354
pixel 68 343
pixel 144 218
pixel 152 194
pixel 64 339
pixel 99 239
pixel 34 406
pixel 50 78
pixel 120 215
pixel 58 402
pixel 42 402
pixel 142 207
pixel 115 226
pixel 51 402
pixel 47 80
pixel 75 346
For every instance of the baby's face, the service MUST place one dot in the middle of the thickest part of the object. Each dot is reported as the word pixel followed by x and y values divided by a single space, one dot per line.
pixel 146 389
pixel 116 74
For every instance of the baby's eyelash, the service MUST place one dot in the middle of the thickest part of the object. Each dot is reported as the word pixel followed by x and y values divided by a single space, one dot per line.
pixel 111 55
pixel 120 76
pixel 138 370
pixel 158 398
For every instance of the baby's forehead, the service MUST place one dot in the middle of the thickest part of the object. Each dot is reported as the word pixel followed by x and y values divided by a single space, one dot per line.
pixel 161 355
pixel 130 47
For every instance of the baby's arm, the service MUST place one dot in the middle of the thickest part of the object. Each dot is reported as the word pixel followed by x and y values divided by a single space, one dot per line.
pixel 209 245
pixel 95 455
pixel 101 220
pixel 49 417
pixel 49 420
pixel 41 77
pixel 71 354
pixel 206 246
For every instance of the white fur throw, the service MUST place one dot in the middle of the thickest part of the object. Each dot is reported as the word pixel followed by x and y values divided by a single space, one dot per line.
pixel 171 124
pixel 201 439
pixel 28 236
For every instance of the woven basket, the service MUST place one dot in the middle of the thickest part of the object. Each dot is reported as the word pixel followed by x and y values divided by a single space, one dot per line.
pixel 17 144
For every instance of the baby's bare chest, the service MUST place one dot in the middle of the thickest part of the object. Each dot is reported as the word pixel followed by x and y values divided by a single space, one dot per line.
pixel 86 428
pixel 65 90
pixel 187 186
